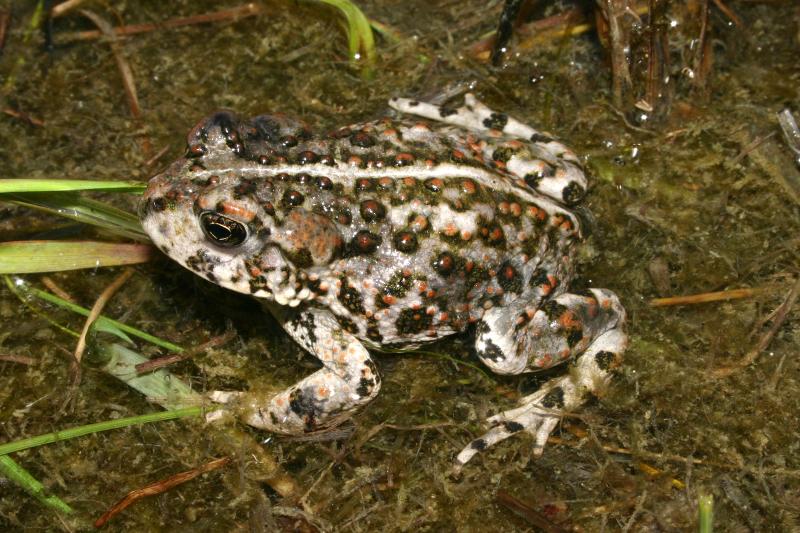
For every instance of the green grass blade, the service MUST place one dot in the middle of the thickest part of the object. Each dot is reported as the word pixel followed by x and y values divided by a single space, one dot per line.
pixel 67 434
pixel 85 210
pixel 25 185
pixel 705 507
pixel 22 289
pixel 360 40
pixel 159 386
pixel 14 472
pixel 111 329
pixel 26 257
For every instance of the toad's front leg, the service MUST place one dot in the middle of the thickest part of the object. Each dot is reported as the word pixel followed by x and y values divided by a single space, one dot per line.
pixel 347 380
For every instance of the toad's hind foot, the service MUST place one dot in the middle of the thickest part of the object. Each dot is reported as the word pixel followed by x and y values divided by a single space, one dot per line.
pixel 539 413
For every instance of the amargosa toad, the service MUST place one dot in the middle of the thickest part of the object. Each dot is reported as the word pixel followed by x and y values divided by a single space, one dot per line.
pixel 394 233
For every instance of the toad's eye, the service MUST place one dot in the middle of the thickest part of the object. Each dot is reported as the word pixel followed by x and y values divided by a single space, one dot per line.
pixel 222 230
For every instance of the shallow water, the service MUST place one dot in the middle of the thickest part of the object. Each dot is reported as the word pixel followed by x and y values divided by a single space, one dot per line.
pixel 679 197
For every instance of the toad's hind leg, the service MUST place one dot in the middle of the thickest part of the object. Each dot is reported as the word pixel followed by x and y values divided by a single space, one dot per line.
pixel 347 380
pixel 545 165
pixel 588 327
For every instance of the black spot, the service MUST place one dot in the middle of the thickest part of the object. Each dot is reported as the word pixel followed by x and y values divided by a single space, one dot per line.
pixel 444 263
pixel 156 205
pixel 539 278
pixel 403 159
pixel 315 286
pixel 347 325
pixel 305 321
pixel 478 444
pixel 553 309
pixel 445 112
pixel 350 297
pixel 266 128
pixel 364 184
pixel 398 285
pixel 307 157
pixel 573 193
pixel 508 278
pixel 554 398
pixel 405 241
pixel 343 215
pixel 273 417
pixel 434 184
pixel 493 235
pixel 361 139
pixel 292 198
pixel 513 427
pixel 244 188
pixel 492 352
pixel 324 183
pixel 288 141
pixel 196 150
pixel 413 321
pixel 503 154
pixel 303 406
pixel 365 387
pixel 373 330
pixel 539 138
pixel 575 336
pixel 301 258
pixel 372 210
pixel 370 364
pixel 496 121
pixel 604 360
pixel 364 242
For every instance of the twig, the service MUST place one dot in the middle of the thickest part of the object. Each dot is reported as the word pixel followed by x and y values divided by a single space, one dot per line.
pixel 125 71
pixel 122 63
pixel 728 12
pixel 159 487
pixel 374 430
pixel 5 18
pixel 233 14
pixel 504 29
pixel 161 362
pixel 704 58
pixel 482 49
pixel 672 458
pixel 636 511
pixel 97 308
pixel 525 511
pixel 150 162
pixel 48 282
pixel 781 314
pixel 733 294
pixel 619 37
pixel 64 7
pixel 20 359
pixel 758 141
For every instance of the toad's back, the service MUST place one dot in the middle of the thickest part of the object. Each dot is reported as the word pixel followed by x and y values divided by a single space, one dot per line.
pixel 406 230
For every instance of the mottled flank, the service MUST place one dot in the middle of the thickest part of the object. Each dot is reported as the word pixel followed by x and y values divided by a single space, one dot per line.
pixel 394 232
